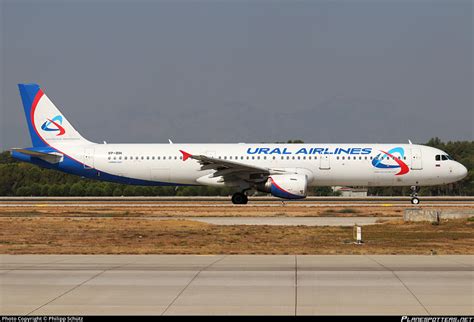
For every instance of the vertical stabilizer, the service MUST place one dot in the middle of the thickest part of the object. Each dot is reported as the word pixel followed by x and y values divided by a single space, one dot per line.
pixel 47 125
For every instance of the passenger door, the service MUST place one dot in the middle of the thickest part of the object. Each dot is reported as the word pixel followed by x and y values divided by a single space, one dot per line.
pixel 325 162
pixel 416 160
pixel 89 158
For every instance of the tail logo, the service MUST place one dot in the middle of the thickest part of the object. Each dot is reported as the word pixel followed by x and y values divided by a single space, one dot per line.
pixel 54 125
pixel 383 160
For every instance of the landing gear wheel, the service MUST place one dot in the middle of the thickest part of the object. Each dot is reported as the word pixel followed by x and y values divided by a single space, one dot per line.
pixel 239 198
pixel 414 195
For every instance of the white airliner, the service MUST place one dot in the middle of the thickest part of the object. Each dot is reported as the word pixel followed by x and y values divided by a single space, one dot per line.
pixel 284 170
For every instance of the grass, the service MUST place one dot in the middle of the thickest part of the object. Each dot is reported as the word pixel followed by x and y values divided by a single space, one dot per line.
pixel 53 235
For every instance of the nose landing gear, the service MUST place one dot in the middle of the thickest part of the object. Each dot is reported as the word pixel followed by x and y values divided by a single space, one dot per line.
pixel 414 195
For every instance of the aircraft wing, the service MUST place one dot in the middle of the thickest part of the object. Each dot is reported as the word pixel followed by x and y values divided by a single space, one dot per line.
pixel 227 168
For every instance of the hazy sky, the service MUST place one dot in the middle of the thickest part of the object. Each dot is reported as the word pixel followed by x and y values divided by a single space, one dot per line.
pixel 243 71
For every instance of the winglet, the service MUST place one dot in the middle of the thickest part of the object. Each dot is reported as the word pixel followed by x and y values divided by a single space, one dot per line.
pixel 186 155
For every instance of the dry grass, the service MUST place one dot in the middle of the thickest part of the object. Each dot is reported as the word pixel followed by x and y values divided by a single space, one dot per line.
pixel 288 210
pixel 116 235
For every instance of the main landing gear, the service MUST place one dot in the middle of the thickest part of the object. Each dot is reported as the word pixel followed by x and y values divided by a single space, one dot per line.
pixel 239 198
pixel 414 195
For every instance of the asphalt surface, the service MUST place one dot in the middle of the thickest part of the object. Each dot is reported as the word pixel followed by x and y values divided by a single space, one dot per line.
pixel 221 205
pixel 196 201
pixel 285 221
pixel 288 285
pixel 226 199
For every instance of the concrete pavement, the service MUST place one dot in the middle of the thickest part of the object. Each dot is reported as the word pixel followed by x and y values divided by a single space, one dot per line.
pixel 220 284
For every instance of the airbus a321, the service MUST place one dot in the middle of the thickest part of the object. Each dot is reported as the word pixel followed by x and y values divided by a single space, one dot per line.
pixel 284 170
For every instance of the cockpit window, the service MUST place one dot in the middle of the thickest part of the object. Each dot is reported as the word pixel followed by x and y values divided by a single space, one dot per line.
pixel 444 157
pixel 449 157
pixel 438 157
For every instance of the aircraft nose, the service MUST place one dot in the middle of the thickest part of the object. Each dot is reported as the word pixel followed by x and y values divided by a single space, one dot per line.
pixel 461 171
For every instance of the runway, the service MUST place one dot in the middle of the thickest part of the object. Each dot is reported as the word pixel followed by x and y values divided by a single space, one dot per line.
pixel 224 202
pixel 285 285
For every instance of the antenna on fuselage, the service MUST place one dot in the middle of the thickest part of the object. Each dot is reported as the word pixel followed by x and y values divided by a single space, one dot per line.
pixel 409 141
pixel 169 140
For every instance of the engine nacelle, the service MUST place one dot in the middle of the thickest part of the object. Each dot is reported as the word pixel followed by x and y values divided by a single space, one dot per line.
pixel 287 186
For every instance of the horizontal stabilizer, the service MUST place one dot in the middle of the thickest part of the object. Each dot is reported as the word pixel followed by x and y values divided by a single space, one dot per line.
pixel 48 156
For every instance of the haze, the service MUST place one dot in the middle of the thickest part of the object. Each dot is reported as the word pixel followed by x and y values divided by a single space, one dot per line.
pixel 242 71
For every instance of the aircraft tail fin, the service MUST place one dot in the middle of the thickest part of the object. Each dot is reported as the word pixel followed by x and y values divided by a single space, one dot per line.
pixel 47 125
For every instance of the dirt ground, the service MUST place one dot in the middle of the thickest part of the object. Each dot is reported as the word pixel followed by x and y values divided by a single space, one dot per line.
pixel 174 211
pixel 129 235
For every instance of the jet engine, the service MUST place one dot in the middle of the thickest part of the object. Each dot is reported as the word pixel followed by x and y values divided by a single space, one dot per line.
pixel 287 186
